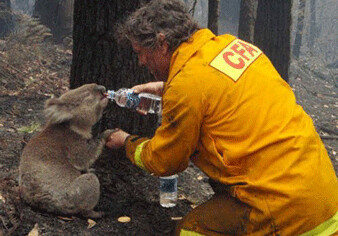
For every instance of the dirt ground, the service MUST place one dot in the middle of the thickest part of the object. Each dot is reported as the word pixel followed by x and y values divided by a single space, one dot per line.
pixel 25 87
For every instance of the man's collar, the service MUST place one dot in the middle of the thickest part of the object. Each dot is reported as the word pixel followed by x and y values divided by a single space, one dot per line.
pixel 182 54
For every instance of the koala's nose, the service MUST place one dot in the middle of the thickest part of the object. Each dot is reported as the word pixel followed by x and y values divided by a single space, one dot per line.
pixel 100 88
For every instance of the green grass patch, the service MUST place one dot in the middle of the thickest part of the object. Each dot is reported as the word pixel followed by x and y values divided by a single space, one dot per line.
pixel 30 128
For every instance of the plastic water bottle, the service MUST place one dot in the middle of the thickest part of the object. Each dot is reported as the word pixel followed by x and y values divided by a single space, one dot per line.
pixel 168 191
pixel 142 102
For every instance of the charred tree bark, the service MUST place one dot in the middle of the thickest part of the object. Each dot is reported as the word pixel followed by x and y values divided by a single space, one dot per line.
pixel 64 20
pixel 272 32
pixel 46 11
pixel 313 32
pixel 247 20
pixel 56 15
pixel 97 58
pixel 213 15
pixel 299 31
pixel 6 18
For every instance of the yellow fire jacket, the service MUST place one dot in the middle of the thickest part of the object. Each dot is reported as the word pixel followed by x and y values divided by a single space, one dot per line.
pixel 226 109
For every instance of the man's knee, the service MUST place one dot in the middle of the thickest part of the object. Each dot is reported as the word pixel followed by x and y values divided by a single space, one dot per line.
pixel 222 214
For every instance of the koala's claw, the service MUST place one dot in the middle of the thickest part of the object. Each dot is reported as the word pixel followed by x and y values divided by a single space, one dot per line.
pixel 93 214
pixel 91 170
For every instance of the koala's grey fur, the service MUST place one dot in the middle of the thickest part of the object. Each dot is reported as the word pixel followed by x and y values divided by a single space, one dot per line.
pixel 54 167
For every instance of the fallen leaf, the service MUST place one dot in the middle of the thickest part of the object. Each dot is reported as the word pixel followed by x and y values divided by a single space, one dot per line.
pixel 193 206
pixel 34 231
pixel 2 199
pixel 124 219
pixel 91 223
pixel 181 197
pixel 65 218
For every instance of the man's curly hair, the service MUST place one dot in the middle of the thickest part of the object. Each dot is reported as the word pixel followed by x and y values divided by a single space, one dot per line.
pixel 169 17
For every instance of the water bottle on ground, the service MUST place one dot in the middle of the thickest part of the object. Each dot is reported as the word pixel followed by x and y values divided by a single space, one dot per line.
pixel 142 102
pixel 168 191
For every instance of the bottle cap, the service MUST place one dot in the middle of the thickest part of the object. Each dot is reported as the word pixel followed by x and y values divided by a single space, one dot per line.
pixel 110 94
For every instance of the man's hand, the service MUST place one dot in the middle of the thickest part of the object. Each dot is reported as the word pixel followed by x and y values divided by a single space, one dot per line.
pixel 151 87
pixel 117 139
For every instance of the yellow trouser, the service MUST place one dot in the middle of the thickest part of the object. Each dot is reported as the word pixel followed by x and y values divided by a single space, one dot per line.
pixel 225 215
pixel 221 215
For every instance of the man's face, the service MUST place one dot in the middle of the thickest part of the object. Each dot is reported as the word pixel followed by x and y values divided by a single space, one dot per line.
pixel 157 60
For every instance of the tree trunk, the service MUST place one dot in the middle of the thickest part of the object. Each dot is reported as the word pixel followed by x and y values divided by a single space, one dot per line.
pixel 247 20
pixel 299 31
pixel 272 32
pixel 46 11
pixel 313 27
pixel 6 18
pixel 64 22
pixel 213 15
pixel 57 15
pixel 98 59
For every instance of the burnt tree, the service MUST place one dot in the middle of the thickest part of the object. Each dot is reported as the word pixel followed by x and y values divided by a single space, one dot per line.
pixel 6 19
pixel 97 58
pixel 272 32
pixel 313 31
pixel 247 19
pixel 213 15
pixel 57 15
pixel 299 30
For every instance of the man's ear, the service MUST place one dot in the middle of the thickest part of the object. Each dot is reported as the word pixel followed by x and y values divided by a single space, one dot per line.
pixel 162 43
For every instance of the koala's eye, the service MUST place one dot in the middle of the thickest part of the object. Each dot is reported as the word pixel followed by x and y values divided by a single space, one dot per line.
pixel 99 88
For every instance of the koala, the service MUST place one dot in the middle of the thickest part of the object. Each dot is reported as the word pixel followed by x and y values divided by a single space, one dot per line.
pixel 54 170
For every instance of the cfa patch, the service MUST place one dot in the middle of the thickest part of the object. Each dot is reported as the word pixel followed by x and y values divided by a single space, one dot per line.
pixel 236 58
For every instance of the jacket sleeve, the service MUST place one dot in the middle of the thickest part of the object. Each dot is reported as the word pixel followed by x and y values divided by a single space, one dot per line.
pixel 168 152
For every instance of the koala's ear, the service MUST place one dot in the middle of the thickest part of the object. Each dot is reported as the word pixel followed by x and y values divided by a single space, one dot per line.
pixel 57 111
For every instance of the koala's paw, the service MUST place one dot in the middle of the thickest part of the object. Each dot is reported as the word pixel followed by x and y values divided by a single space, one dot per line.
pixel 93 214
pixel 107 133
pixel 91 170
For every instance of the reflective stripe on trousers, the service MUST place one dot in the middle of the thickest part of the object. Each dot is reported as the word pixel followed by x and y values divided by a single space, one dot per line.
pixel 328 227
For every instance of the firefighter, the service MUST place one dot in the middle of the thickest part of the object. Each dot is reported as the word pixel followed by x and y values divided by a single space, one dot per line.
pixel 227 110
